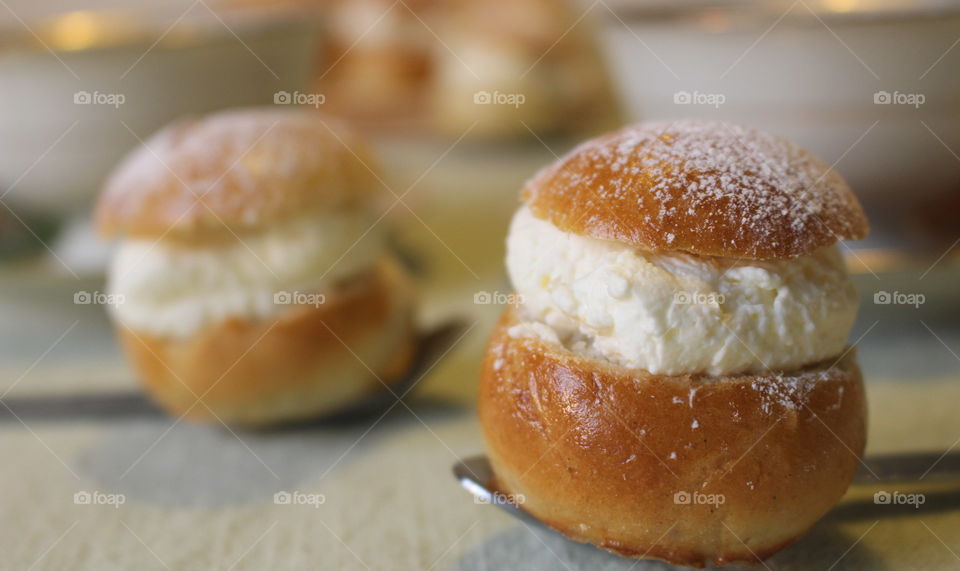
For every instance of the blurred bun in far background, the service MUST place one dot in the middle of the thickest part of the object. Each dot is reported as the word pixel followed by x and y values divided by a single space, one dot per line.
pixel 516 66
pixel 378 62
pixel 440 67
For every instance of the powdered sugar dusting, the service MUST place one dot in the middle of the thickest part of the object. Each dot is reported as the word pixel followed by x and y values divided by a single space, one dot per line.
pixel 699 180
pixel 246 166
pixel 786 391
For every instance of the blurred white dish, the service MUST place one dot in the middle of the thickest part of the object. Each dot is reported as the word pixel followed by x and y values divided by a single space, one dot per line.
pixel 811 73
pixel 81 87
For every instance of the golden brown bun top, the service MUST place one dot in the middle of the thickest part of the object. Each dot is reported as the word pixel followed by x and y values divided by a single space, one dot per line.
pixel 233 171
pixel 703 187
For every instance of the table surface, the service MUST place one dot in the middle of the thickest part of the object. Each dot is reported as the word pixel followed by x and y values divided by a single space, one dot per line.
pixel 201 497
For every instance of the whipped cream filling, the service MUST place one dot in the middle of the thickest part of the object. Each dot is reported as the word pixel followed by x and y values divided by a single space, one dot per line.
pixel 172 289
pixel 675 313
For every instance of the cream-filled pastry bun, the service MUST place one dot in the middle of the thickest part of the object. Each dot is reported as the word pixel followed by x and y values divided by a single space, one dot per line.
pixel 674 382
pixel 253 282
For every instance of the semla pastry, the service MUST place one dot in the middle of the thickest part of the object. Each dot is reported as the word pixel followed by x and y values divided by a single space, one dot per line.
pixel 255 286
pixel 675 381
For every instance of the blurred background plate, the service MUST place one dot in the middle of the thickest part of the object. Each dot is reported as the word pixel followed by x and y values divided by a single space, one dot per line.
pixel 837 76
pixel 120 71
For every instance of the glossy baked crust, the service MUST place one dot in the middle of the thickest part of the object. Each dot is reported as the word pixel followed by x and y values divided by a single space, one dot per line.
pixel 303 364
pixel 235 171
pixel 703 187
pixel 600 452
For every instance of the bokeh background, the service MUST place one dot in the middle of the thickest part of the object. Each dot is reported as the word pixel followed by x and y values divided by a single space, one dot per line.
pixel 463 100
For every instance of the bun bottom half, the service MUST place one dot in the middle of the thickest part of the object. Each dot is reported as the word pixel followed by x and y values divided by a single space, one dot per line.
pixel 302 364
pixel 690 469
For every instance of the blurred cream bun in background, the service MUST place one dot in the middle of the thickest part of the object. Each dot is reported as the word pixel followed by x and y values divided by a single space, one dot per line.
pixel 377 61
pixel 674 382
pixel 509 68
pixel 254 285
pixel 485 70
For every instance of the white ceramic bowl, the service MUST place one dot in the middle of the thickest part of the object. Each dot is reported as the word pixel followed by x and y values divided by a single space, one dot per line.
pixel 67 112
pixel 810 74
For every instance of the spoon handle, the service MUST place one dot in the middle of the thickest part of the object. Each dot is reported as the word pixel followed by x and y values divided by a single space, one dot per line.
pixel 900 468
